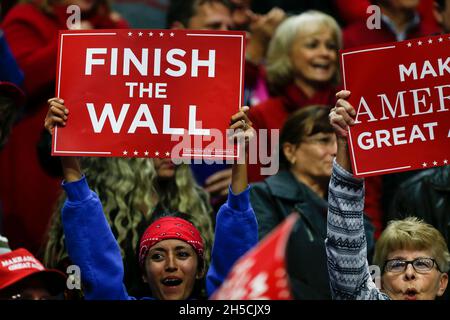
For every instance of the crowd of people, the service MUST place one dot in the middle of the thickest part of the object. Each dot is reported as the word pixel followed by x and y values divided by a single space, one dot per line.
pixel 142 228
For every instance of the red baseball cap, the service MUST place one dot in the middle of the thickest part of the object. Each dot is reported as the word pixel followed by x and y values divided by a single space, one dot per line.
pixel 20 264
pixel 12 91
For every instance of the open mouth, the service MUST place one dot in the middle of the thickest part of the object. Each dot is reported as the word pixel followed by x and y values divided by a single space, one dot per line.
pixel 411 294
pixel 171 282
pixel 322 66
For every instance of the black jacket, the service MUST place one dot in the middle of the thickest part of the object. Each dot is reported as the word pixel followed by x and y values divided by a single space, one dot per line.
pixel 273 200
pixel 427 196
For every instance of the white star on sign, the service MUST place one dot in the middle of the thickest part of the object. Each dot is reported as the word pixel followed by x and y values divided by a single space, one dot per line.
pixel 445 161
pixel 140 34
pixel 435 163
pixel 172 34
pixel 146 153
pixel 430 41
pixel 440 39
pixel 125 153
pixel 156 153
pixel 419 43
pixel 424 164
pixel 167 154
pixel 409 44
pixel 130 34
pixel 150 34
pixel 135 153
pixel 161 34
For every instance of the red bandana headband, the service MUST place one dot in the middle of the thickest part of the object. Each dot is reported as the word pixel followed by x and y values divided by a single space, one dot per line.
pixel 170 228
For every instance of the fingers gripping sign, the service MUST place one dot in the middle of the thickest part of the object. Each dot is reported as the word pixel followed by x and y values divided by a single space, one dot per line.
pixel 341 116
pixel 241 129
pixel 57 114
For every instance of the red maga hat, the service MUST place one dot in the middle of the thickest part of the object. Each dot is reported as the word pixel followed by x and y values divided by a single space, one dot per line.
pixel 20 264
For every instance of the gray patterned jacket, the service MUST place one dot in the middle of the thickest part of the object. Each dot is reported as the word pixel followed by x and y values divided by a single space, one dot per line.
pixel 346 242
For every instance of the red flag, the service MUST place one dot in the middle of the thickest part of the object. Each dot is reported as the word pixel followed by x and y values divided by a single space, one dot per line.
pixel 261 274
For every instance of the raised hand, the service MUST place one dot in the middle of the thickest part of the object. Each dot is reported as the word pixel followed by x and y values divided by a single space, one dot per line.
pixel 341 116
pixel 242 130
pixel 56 115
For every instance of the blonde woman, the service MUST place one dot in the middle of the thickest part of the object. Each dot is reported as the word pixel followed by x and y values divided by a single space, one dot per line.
pixel 412 255
pixel 302 70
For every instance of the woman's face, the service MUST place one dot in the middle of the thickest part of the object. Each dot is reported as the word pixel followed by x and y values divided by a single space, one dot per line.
pixel 314 56
pixel 165 169
pixel 85 5
pixel 410 284
pixel 313 157
pixel 171 269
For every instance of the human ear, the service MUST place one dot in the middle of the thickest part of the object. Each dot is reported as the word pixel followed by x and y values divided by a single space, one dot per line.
pixel 443 281
pixel 200 271
pixel 289 151
pixel 144 278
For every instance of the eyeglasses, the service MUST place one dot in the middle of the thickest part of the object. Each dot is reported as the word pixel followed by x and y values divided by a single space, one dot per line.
pixel 420 265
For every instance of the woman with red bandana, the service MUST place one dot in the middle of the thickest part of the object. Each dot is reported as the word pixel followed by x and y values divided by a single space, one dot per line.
pixel 171 248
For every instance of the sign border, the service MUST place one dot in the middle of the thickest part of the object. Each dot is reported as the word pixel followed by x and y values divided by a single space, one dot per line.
pixel 349 138
pixel 190 34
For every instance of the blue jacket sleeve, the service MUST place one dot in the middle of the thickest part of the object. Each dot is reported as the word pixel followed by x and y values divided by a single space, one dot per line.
pixel 9 69
pixel 91 244
pixel 236 233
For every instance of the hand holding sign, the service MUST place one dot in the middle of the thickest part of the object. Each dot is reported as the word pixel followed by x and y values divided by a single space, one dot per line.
pixel 401 96
pixel 341 116
pixel 57 116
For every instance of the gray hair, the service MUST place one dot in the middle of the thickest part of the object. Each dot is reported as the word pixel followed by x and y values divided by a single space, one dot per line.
pixel 279 66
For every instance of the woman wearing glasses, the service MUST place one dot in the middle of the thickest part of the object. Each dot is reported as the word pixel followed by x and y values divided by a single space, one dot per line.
pixel 307 148
pixel 413 256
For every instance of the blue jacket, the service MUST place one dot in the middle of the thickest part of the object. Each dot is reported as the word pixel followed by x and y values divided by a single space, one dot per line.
pixel 9 70
pixel 92 246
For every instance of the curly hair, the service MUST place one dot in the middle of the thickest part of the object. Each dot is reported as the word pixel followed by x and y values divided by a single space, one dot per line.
pixel 130 192
pixel 183 194
pixel 125 189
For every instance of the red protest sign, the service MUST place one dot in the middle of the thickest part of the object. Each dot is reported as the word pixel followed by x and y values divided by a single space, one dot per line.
pixel 149 93
pixel 401 93
pixel 261 273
